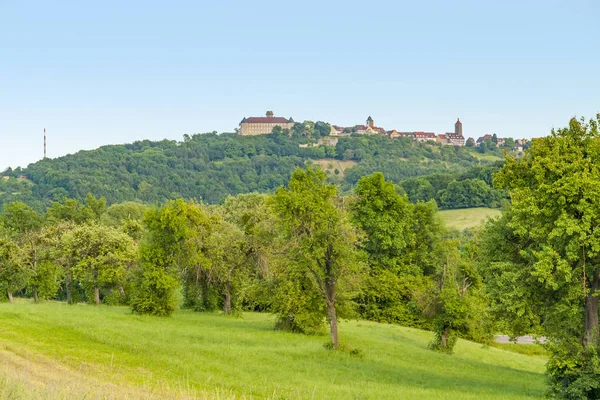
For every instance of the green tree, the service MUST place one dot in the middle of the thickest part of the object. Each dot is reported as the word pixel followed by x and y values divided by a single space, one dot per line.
pixel 555 210
pixel 103 255
pixel 253 215
pixel 227 250
pixel 13 275
pixel 173 248
pixel 321 239
pixel 18 218
pixel 456 304
pixel 509 143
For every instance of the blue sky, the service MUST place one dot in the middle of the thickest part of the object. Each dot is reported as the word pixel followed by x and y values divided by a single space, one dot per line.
pixel 96 73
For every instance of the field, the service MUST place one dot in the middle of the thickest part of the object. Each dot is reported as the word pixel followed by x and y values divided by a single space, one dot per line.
pixel 54 351
pixel 329 165
pixel 467 217
pixel 485 157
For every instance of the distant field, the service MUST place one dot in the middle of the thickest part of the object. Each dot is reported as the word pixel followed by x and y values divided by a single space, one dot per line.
pixel 331 164
pixel 467 217
pixel 56 351
pixel 485 157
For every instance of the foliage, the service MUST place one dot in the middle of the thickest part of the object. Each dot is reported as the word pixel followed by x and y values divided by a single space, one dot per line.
pixel 212 167
pixel 102 257
pixel 469 193
pixel 172 248
pixel 548 246
pixel 458 306
pixel 574 373
pixel 321 243
pixel 13 275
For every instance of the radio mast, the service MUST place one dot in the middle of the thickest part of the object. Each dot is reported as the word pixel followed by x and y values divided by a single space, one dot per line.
pixel 44 143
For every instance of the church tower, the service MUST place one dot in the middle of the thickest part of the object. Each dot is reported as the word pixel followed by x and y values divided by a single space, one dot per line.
pixel 370 122
pixel 458 127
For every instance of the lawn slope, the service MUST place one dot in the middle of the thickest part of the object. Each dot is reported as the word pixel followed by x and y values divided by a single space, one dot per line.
pixel 58 351
pixel 467 217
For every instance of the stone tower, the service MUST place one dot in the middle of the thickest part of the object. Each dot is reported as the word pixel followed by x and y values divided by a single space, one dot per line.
pixel 270 114
pixel 458 127
pixel 370 122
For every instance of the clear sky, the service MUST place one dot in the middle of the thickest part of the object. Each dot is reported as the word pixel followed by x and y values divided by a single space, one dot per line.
pixel 106 72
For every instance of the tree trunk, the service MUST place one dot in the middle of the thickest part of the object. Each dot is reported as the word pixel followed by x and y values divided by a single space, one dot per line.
pixel 10 297
pixel 97 295
pixel 445 335
pixel 68 288
pixel 227 307
pixel 591 334
pixel 333 327
pixel 36 298
pixel 121 290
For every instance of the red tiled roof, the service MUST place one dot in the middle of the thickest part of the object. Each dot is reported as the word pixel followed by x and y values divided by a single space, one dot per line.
pixel 360 127
pixel 267 120
pixel 424 134
pixel 484 137
pixel 442 136
pixel 379 130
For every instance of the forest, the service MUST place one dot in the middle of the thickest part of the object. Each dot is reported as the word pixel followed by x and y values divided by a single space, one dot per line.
pixel 209 167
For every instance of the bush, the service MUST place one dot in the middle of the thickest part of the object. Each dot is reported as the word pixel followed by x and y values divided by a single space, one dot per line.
pixel 574 373
pixel 155 292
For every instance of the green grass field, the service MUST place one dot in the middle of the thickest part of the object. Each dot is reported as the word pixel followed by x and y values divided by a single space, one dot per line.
pixel 485 156
pixel 56 351
pixel 467 217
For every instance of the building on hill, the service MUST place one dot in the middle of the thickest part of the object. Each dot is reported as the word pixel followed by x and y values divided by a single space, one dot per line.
pixel 441 138
pixel 483 139
pixel 263 125
pixel 455 139
pixel 424 136
pixel 339 131
pixel 458 127
pixel 368 129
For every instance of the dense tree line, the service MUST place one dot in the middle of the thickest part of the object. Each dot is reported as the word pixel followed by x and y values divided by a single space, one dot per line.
pixel 473 188
pixel 211 167
pixel 305 253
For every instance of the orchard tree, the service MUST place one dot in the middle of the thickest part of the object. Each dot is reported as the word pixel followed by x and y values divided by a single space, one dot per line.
pixel 555 192
pixel 456 303
pixel 103 255
pixel 322 242
pixel 386 218
pixel 252 214
pixel 227 250
pixel 173 247
pixel 13 275
pixel 18 219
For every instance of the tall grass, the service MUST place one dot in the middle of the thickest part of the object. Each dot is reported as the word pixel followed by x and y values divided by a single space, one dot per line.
pixel 106 352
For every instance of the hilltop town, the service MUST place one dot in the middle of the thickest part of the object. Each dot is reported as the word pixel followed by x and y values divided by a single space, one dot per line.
pixel 264 125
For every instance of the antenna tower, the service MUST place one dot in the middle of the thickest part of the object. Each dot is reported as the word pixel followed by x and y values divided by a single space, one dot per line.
pixel 44 143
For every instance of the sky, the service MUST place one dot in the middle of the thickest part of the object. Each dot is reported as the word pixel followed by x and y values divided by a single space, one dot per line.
pixel 109 72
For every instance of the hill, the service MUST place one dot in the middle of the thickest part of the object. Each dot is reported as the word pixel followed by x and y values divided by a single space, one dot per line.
pixel 211 167
pixel 467 217
pixel 53 350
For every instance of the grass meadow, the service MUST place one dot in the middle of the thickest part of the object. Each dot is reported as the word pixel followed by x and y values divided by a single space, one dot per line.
pixel 57 351
pixel 467 217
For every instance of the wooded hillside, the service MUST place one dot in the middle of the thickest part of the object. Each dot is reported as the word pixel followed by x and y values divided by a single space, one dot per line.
pixel 212 166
